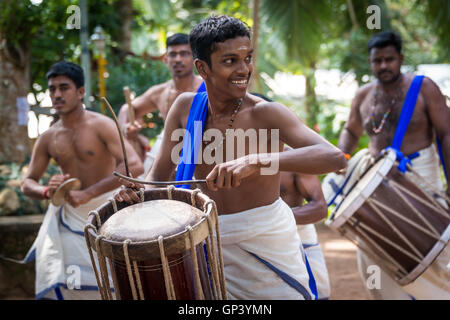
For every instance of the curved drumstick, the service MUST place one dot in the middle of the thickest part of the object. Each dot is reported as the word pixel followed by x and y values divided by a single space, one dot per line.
pixel 157 183
pixel 120 135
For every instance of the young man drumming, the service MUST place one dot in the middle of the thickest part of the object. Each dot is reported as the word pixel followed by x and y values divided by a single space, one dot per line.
pixel 260 244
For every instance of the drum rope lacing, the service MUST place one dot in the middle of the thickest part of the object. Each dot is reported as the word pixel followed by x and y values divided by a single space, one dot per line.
pixel 216 266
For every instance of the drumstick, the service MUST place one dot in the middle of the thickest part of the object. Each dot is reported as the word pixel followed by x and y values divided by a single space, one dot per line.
pixel 126 92
pixel 131 115
pixel 122 143
pixel 157 183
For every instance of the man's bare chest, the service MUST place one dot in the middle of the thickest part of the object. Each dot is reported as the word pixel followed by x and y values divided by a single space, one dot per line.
pixel 79 145
pixel 382 118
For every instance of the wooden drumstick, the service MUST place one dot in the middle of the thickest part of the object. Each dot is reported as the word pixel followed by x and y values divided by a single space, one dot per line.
pixel 131 116
pixel 122 142
pixel 157 183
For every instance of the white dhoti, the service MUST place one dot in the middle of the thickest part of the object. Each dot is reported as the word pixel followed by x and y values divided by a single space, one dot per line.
pixel 63 266
pixel 434 283
pixel 315 259
pixel 253 243
pixel 151 155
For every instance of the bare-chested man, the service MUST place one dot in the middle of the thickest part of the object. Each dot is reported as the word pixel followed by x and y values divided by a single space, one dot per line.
pixel 258 231
pixel 376 110
pixel 160 97
pixel 86 146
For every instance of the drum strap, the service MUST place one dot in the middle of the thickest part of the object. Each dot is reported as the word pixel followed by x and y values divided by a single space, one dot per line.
pixel 193 136
pixel 405 117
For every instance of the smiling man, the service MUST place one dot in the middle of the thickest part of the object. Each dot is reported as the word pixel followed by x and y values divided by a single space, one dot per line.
pixel 160 97
pixel 86 146
pixel 259 237
pixel 376 109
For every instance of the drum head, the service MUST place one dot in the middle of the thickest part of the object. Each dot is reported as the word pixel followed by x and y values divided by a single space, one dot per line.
pixel 363 190
pixel 146 221
pixel 66 186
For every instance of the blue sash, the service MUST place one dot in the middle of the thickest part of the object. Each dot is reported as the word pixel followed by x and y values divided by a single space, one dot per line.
pixel 405 117
pixel 192 137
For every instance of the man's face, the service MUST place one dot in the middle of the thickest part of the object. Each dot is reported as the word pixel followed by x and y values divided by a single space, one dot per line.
pixel 385 63
pixel 64 94
pixel 179 60
pixel 231 67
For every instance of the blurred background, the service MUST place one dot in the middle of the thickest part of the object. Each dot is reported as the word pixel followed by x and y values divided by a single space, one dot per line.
pixel 310 55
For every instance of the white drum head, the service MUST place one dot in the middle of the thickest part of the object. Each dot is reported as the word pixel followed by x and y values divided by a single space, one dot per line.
pixel 362 190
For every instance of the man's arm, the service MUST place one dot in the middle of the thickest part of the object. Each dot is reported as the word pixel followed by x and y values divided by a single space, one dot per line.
pixel 166 159
pixel 316 208
pixel 311 153
pixel 440 119
pixel 39 161
pixel 142 105
pixel 353 129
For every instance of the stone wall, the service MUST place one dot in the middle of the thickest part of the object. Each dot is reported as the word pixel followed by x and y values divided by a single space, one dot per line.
pixel 16 237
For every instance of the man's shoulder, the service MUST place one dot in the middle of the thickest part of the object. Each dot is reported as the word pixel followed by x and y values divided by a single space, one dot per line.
pixel 158 88
pixel 96 118
pixel 364 90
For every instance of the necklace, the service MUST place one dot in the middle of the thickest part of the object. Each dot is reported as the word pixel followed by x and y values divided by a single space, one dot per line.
pixel 230 124
pixel 393 101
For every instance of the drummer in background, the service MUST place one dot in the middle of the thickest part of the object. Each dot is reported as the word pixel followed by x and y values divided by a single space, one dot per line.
pixel 260 244
pixel 86 146
pixel 295 190
pixel 376 110
pixel 160 97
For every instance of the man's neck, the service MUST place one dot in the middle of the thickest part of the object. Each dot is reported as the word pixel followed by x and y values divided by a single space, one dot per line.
pixel 391 86
pixel 71 120
pixel 222 107
pixel 184 84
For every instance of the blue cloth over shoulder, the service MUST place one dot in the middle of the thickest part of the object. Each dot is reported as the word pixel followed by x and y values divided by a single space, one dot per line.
pixel 193 137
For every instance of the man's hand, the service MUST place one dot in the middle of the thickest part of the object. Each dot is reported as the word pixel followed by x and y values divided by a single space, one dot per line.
pixel 127 192
pixel 55 182
pixel 77 197
pixel 230 174
pixel 132 130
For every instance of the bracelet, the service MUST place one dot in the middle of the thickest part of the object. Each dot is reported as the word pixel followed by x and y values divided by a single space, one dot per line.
pixel 45 193
pixel 347 156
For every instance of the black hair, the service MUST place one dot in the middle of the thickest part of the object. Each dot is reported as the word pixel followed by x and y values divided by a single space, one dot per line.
pixel 176 39
pixel 384 39
pixel 68 69
pixel 212 30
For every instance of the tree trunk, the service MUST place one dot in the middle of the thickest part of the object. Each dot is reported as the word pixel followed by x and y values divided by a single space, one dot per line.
pixel 125 7
pixel 311 104
pixel 255 36
pixel 14 84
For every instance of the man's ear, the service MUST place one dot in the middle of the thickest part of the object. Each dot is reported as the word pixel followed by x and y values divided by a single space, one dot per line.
pixel 80 92
pixel 164 58
pixel 401 58
pixel 202 68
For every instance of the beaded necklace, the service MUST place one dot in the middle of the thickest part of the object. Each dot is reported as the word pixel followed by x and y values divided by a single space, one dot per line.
pixel 394 100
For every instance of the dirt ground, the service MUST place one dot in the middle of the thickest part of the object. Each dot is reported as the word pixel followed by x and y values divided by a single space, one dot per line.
pixel 340 257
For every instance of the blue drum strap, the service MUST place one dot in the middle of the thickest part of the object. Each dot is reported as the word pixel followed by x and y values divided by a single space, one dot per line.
pixel 405 117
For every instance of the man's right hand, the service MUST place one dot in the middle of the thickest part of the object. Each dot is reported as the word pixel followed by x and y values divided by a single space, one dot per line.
pixel 127 192
pixel 132 130
pixel 55 182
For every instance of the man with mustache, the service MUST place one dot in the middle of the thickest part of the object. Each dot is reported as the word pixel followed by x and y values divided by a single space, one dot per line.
pixel 86 146
pixel 260 245
pixel 160 97
pixel 376 110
